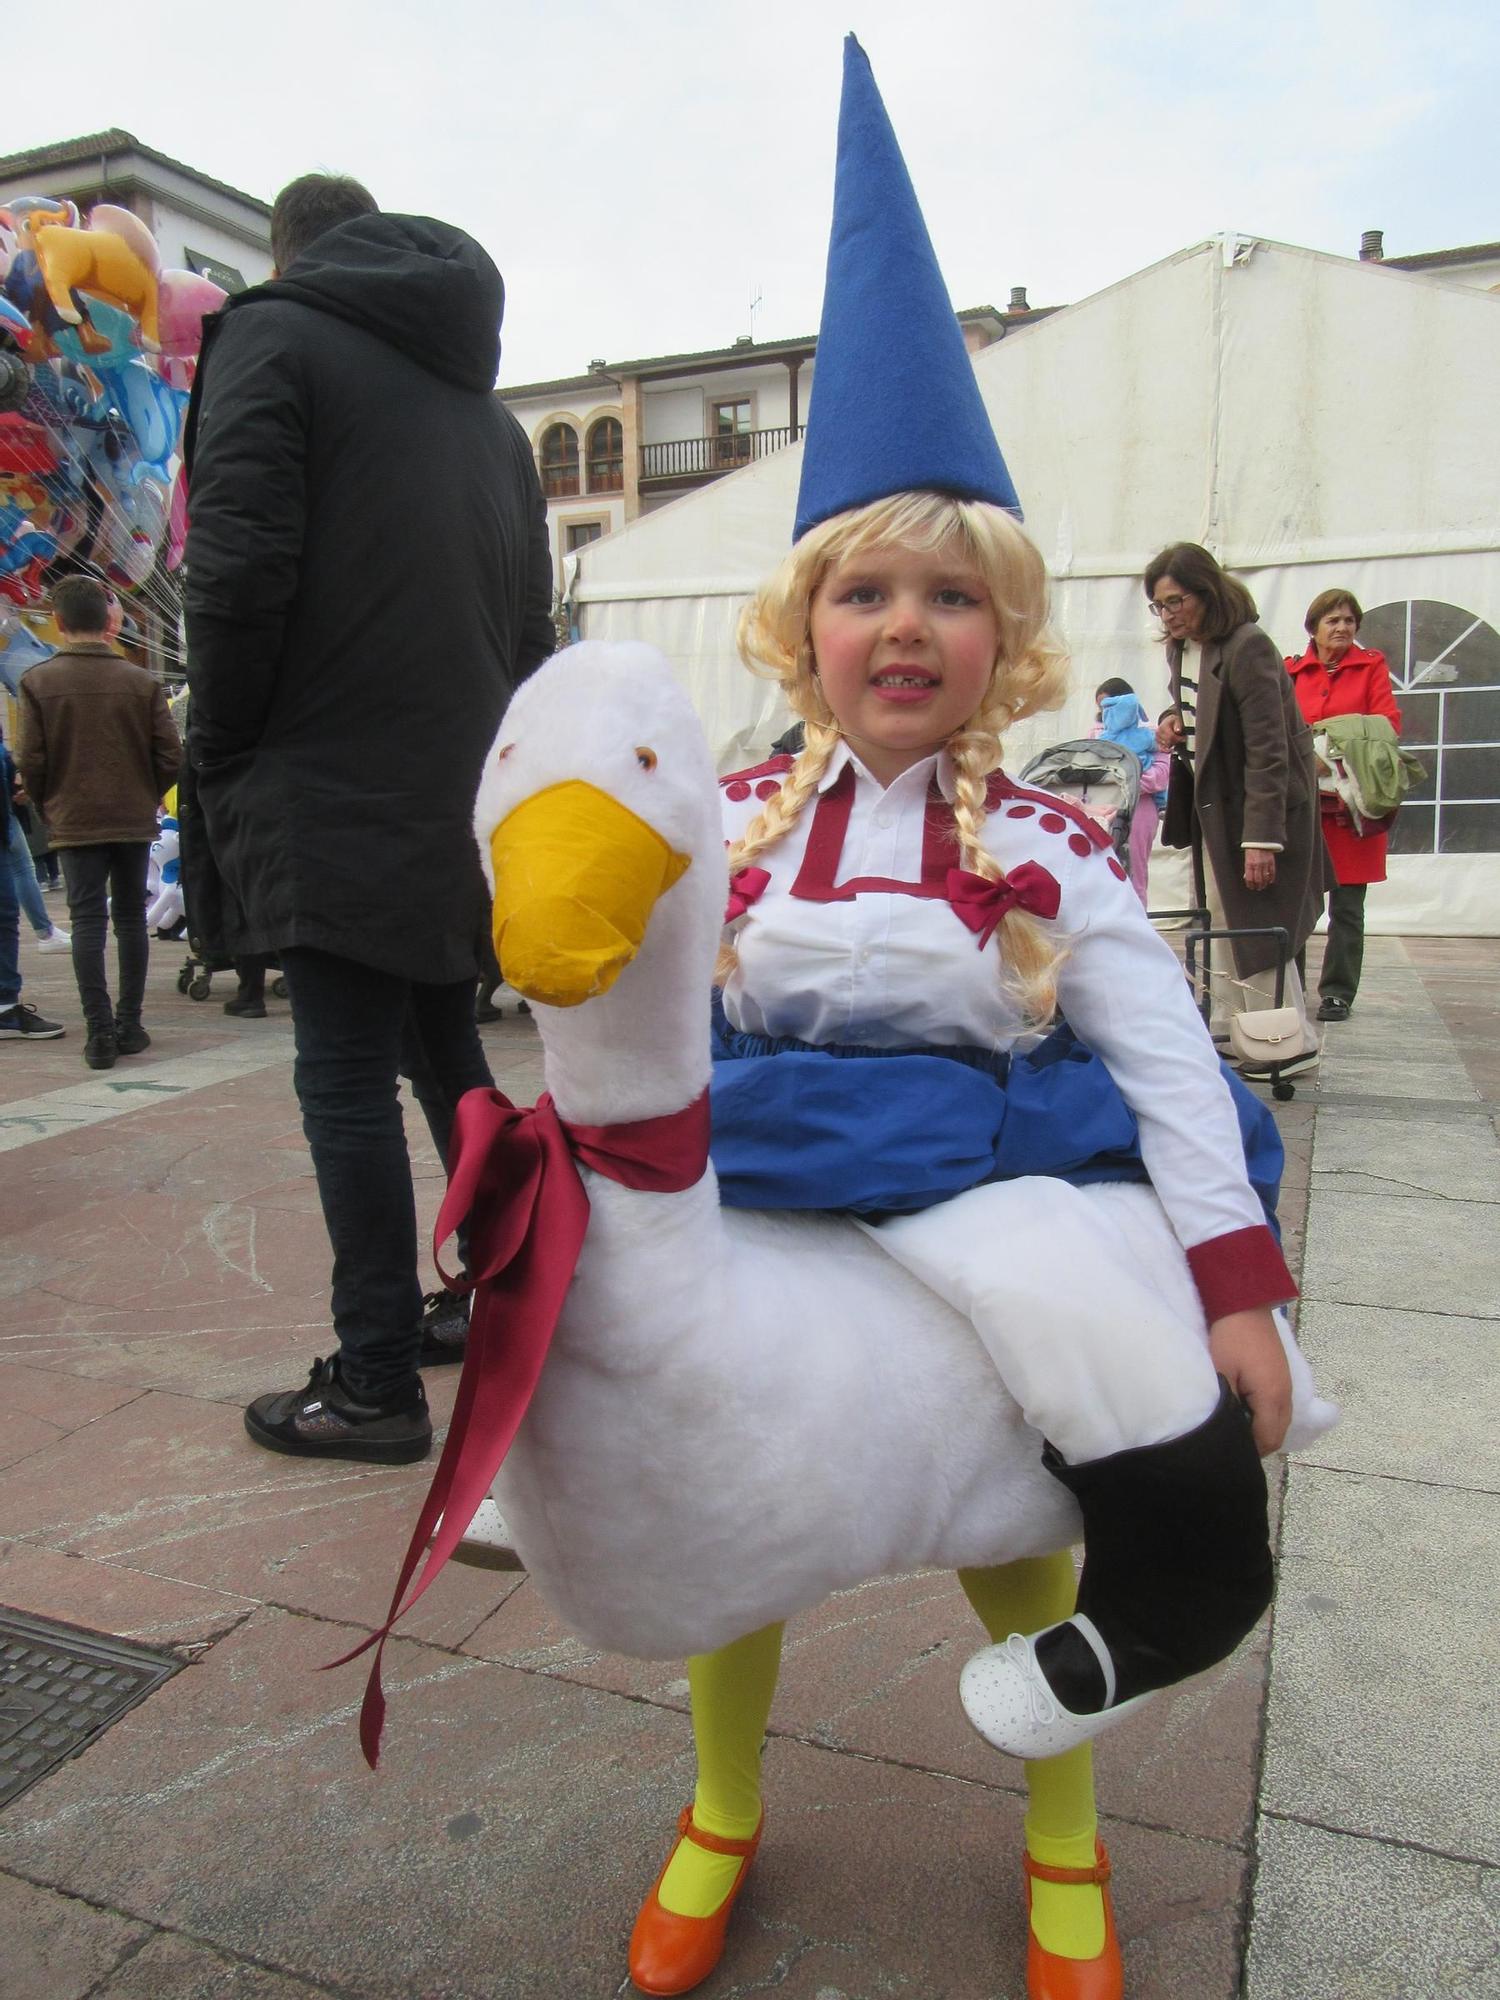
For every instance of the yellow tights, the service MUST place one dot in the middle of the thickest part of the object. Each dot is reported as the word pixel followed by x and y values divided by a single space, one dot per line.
pixel 1061 1824
pixel 732 1691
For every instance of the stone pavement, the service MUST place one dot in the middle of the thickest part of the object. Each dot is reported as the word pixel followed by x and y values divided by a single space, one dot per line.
pixel 1319 1816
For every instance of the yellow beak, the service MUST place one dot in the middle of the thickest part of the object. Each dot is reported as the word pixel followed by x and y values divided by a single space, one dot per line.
pixel 577 876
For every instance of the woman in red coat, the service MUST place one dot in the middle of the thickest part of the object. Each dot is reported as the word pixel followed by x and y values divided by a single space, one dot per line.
pixel 1338 676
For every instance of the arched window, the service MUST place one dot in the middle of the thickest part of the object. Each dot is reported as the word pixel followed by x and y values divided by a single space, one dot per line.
pixel 1445 670
pixel 606 456
pixel 559 461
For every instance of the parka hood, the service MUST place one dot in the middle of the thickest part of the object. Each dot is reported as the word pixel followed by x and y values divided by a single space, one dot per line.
pixel 423 286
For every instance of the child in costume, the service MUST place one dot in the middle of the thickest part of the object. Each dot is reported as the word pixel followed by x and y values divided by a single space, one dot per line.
pixel 905 921
pixel 1123 720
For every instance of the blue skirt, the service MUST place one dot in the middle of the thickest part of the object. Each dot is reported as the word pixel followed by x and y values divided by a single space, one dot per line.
pixel 889 1131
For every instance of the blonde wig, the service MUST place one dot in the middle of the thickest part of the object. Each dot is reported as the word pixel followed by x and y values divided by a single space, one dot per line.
pixel 1029 677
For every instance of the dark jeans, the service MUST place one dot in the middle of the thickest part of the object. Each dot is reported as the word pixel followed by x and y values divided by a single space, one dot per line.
pixel 1344 953
pixel 10 942
pixel 355 1030
pixel 107 884
pixel 250 977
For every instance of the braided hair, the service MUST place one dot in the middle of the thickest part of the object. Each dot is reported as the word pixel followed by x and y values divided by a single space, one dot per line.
pixel 1029 677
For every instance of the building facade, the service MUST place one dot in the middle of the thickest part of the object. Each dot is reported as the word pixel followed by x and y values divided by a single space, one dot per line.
pixel 1476 264
pixel 629 436
pixel 200 224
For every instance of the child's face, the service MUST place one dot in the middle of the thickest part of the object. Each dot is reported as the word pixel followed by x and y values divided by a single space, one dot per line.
pixel 905 644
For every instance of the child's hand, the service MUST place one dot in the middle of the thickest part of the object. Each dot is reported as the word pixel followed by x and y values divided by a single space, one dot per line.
pixel 1247 1352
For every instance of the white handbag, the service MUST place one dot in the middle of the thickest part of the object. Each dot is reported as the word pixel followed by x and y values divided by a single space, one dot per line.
pixel 1266 1035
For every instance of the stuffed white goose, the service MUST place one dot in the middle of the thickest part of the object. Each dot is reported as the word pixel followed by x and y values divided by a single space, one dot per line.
pixel 739 1412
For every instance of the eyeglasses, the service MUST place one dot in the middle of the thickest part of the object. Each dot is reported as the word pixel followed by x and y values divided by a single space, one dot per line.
pixel 1160 606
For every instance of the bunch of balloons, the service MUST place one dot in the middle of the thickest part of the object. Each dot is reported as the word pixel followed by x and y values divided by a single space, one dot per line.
pixel 98 344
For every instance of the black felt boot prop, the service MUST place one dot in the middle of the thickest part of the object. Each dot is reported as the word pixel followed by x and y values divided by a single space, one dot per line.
pixel 1177 1558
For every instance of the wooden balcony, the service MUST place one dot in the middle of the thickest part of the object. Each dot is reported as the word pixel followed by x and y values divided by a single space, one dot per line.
pixel 686 461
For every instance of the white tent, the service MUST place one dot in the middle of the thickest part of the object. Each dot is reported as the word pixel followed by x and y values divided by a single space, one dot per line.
pixel 1312 420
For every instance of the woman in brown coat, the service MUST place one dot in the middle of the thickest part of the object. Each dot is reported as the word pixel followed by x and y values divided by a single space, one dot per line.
pixel 1257 848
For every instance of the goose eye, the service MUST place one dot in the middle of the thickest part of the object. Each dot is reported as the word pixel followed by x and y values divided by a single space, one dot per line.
pixel 645 758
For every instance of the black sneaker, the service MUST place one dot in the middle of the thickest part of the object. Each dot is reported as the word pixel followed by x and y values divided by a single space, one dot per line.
pixel 445 1329
pixel 131 1038
pixel 18 1022
pixel 101 1048
pixel 325 1421
pixel 247 1010
pixel 1334 1010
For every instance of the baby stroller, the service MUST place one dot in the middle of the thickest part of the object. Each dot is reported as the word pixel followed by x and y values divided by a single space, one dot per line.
pixel 202 897
pixel 1103 778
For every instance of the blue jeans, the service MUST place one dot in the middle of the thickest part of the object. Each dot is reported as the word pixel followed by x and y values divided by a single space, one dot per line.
pixel 10 942
pixel 356 1029
pixel 23 870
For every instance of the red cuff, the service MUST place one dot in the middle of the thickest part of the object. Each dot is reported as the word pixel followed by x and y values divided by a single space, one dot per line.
pixel 1239 1271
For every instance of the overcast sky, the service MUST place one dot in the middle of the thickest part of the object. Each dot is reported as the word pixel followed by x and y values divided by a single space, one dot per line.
pixel 640 172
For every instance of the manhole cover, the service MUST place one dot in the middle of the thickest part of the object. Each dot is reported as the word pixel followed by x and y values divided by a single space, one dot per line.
pixel 59 1689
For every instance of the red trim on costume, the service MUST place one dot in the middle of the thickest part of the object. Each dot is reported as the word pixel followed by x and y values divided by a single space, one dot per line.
pixel 1001 788
pixel 816 878
pixel 514 1173
pixel 774 767
pixel 1239 1271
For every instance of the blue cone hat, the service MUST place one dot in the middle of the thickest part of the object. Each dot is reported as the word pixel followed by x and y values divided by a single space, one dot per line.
pixel 895 407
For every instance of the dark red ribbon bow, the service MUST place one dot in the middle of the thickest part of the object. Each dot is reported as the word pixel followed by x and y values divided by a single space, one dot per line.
pixel 981 903
pixel 746 886
pixel 513 1172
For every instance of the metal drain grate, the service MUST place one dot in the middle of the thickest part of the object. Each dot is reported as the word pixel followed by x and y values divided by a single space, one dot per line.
pixel 59 1689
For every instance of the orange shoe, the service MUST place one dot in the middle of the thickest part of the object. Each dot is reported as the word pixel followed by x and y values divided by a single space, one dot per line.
pixel 1050 1977
pixel 672 1954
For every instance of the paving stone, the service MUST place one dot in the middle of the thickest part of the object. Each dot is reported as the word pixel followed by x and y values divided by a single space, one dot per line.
pixel 1386 1368
pixel 173 1968
pixel 174 1486
pixel 56 1947
pixel 502 1851
pixel 1412 1252
pixel 1393 1156
pixel 213 1351
pixel 145 1250
pixel 105 1597
pixel 1378 1073
pixel 1336 1915
pixel 1384 1664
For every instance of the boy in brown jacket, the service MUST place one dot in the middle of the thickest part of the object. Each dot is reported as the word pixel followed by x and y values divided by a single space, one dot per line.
pixel 96 751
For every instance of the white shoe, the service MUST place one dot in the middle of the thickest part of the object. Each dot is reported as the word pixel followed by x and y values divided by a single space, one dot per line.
pixel 1006 1697
pixel 56 940
pixel 486 1543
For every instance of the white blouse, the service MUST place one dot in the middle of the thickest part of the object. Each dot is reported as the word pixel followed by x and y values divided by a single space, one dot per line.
pixel 853 940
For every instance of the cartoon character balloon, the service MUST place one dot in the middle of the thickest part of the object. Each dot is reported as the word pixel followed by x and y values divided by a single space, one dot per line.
pixel 98 344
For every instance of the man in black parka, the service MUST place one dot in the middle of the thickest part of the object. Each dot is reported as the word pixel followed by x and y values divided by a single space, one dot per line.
pixel 368 579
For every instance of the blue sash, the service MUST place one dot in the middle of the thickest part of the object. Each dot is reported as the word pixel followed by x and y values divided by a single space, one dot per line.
pixel 888 1131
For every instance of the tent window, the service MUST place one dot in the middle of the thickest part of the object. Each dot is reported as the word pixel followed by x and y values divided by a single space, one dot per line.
pixel 1445 667
pixel 607 456
pixel 559 461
